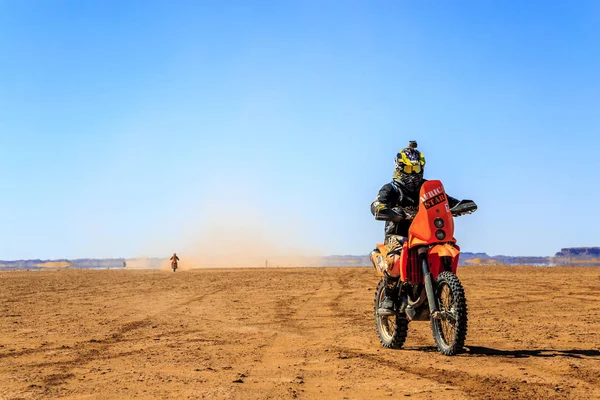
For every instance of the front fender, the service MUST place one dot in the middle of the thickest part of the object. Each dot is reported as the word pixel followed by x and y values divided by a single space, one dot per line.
pixel 435 258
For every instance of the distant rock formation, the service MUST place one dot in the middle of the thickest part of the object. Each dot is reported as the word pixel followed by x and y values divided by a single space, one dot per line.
pixel 578 256
pixel 467 258
pixel 579 252
pixel 589 256
pixel 64 263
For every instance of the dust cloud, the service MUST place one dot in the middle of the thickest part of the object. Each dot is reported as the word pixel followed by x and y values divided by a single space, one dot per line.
pixel 239 228
pixel 248 241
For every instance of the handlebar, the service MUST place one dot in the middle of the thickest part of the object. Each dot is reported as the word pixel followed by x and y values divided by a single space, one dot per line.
pixel 463 207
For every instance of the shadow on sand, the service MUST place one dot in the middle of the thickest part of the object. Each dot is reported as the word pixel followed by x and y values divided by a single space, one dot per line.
pixel 544 353
pixel 487 351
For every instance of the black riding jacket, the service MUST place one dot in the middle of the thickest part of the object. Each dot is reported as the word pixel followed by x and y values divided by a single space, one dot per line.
pixel 392 201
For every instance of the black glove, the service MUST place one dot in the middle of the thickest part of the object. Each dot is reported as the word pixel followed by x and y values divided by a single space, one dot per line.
pixel 398 214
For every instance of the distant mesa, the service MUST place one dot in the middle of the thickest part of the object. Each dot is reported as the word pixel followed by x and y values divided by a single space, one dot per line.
pixel 63 263
pixel 579 252
pixel 54 264
pixel 589 256
pixel 578 256
pixel 467 258
pixel 480 261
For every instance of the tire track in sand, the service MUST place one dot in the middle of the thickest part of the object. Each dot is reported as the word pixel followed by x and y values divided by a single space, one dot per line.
pixel 303 356
pixel 280 369
pixel 69 360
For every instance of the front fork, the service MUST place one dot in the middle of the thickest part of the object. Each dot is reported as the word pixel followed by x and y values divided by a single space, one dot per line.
pixel 431 299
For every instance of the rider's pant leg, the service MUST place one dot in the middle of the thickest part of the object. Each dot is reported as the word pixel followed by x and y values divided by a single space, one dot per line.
pixel 394 245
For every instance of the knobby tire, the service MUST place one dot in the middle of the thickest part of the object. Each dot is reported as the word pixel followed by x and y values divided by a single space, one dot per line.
pixel 451 345
pixel 399 323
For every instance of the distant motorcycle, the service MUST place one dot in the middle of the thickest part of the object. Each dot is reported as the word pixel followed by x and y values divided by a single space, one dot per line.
pixel 174 260
pixel 428 288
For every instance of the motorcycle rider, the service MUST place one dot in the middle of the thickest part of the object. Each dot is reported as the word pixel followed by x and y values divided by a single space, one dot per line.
pixel 396 204
pixel 174 260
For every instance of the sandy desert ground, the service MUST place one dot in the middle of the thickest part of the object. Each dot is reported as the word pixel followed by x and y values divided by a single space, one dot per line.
pixel 304 333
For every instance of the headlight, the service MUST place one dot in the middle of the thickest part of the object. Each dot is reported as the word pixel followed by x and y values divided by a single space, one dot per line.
pixel 440 234
pixel 438 222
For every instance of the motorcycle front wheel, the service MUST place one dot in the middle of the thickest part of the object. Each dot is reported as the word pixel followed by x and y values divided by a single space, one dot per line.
pixel 450 329
pixel 391 329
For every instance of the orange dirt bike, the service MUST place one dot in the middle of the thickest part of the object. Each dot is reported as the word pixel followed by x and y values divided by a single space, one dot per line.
pixel 174 265
pixel 428 288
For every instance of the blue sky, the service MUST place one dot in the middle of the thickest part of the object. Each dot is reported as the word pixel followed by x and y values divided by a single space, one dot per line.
pixel 133 128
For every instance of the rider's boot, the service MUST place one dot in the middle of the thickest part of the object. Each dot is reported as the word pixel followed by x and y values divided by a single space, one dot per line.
pixel 390 291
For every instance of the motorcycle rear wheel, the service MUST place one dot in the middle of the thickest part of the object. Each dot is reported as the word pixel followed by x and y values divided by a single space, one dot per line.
pixel 392 329
pixel 450 330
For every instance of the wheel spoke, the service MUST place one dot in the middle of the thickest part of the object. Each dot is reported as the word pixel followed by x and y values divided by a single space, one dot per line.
pixel 388 323
pixel 451 318
pixel 391 325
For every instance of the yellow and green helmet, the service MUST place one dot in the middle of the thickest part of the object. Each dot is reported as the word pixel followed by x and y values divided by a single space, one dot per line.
pixel 408 166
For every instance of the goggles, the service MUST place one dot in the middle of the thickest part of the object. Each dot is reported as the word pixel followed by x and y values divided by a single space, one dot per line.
pixel 411 169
